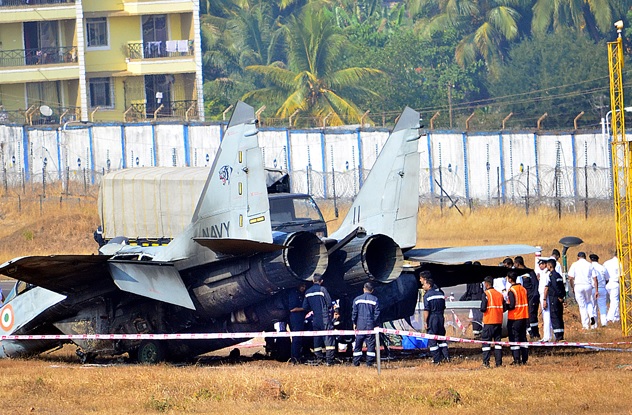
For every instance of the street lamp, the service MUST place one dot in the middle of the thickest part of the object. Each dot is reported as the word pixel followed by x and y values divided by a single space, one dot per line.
pixel 606 121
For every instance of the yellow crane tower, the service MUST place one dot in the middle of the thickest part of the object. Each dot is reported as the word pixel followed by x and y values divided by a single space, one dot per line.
pixel 622 177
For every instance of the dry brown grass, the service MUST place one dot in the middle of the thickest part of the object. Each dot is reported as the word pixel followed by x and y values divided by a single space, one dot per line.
pixel 558 382
pixel 555 381
pixel 30 225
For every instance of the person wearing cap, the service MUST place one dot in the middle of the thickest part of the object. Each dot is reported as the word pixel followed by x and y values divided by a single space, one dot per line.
pixel 492 306
pixel 365 316
pixel 517 306
pixel 317 299
pixel 543 281
pixel 555 254
pixel 580 277
pixel 600 279
pixel 434 306
pixel 554 295
pixel 613 266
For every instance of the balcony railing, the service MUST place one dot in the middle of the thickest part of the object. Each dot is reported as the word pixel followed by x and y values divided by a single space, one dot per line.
pixel 33 116
pixel 160 49
pixel 42 56
pixel 15 3
pixel 172 110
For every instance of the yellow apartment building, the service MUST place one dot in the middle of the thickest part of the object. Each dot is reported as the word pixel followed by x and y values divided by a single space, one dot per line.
pixel 100 60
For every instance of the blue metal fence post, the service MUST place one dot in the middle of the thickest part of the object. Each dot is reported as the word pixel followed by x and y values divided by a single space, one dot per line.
pixel 430 166
pixel 502 167
pixel 360 160
pixel 187 148
pixel 324 164
pixel 466 169
pixel 91 153
pixel 123 146
pixel 25 146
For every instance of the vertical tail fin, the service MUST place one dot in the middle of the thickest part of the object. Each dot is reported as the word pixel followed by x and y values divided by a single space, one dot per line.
pixel 233 208
pixel 389 199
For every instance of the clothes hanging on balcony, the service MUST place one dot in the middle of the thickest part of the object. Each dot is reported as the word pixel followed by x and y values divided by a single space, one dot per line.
pixel 183 46
pixel 171 46
pixel 152 49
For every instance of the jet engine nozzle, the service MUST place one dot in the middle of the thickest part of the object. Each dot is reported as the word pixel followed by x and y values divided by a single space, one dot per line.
pixel 376 258
pixel 240 282
pixel 305 256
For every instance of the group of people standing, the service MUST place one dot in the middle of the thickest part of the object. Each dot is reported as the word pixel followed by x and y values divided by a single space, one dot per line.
pixel 519 296
pixel 592 284
pixel 317 302
pixel 523 296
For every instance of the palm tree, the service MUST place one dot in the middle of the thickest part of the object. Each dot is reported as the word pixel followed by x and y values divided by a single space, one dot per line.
pixel 486 25
pixel 245 34
pixel 312 81
pixel 591 16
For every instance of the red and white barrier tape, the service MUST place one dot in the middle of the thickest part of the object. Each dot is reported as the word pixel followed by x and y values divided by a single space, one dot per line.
pixel 182 336
pixel 457 321
pixel 250 335
pixel 460 340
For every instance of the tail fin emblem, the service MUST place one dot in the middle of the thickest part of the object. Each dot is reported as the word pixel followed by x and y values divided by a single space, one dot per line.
pixel 224 174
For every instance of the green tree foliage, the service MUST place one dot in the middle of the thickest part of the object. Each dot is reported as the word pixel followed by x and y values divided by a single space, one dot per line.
pixel 335 56
pixel 594 17
pixel 485 27
pixel 420 74
pixel 247 35
pixel 561 75
pixel 315 81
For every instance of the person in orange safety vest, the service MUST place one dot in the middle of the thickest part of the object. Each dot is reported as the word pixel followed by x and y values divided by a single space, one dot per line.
pixel 492 308
pixel 517 305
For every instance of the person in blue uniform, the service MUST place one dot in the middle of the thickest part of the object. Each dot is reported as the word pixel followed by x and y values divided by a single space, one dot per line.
pixel 434 306
pixel 297 320
pixel 318 300
pixel 365 316
pixel 555 294
pixel 530 283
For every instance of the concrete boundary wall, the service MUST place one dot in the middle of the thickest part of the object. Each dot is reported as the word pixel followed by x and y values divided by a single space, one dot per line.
pixel 491 166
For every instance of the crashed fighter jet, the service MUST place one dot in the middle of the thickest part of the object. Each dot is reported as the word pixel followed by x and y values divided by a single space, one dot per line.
pixel 225 260
pixel 228 272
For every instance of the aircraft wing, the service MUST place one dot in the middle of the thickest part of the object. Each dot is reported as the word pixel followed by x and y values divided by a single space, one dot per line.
pixel 63 274
pixel 461 254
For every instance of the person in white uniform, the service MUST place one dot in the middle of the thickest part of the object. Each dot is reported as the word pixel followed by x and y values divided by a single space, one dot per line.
pixel 555 254
pixel 613 266
pixel 600 279
pixel 543 280
pixel 580 277
pixel 500 284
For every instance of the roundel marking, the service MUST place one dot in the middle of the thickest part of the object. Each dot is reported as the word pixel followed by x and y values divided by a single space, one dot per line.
pixel 6 317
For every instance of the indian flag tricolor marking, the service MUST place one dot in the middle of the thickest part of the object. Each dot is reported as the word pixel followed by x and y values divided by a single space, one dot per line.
pixel 6 317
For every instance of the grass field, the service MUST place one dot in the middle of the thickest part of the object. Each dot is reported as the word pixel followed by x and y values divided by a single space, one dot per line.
pixel 557 381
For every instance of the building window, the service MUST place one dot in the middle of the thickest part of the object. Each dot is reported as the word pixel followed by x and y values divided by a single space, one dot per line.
pixel 101 93
pixel 97 32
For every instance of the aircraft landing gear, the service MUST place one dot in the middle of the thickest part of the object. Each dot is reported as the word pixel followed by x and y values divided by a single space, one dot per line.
pixel 150 352
pixel 85 357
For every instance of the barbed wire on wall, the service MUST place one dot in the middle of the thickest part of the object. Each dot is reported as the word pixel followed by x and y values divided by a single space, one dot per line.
pixel 570 189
